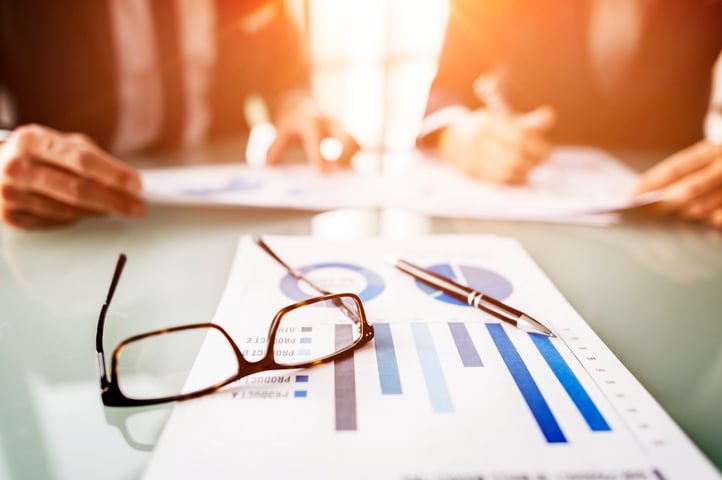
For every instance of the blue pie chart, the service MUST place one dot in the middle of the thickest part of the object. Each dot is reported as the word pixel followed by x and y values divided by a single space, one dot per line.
pixel 480 279
pixel 335 277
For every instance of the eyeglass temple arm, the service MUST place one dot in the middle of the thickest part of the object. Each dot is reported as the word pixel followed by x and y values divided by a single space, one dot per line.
pixel 104 382
pixel 299 276
pixel 295 273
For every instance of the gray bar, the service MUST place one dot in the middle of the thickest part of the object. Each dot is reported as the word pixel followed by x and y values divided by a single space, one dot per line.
pixel 345 382
pixel 464 345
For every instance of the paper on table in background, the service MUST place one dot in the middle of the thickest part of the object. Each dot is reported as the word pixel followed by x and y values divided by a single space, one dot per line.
pixel 573 182
pixel 296 186
pixel 444 391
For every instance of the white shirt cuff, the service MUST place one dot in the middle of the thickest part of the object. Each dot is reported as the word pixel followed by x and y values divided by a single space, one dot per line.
pixel 441 118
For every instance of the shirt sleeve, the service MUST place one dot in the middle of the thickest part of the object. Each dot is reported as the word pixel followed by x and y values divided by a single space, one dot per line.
pixel 713 120
pixel 283 62
pixel 466 53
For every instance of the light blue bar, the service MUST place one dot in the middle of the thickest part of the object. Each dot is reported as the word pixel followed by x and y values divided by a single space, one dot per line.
pixel 526 384
pixel 431 368
pixel 386 360
pixel 305 340
pixel 571 384
pixel 464 345
pixel 300 394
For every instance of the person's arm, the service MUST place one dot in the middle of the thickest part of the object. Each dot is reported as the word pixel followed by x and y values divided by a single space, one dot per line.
pixel 713 120
pixel 465 53
pixel 480 140
pixel 50 178
pixel 285 87
pixel 691 180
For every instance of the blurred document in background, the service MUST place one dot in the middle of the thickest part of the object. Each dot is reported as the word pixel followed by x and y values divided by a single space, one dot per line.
pixel 572 184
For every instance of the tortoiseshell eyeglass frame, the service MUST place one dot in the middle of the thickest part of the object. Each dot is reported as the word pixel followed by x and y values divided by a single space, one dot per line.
pixel 112 395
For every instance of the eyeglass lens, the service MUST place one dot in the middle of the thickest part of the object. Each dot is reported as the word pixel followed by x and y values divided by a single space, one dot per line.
pixel 157 366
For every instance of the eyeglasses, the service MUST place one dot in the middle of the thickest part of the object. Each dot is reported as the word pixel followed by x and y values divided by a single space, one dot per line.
pixel 144 369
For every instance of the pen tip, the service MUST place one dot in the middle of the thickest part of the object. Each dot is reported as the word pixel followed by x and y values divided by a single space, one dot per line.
pixel 528 323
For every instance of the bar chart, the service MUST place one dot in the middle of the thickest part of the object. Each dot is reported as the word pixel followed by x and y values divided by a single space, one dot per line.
pixel 368 284
pixel 438 392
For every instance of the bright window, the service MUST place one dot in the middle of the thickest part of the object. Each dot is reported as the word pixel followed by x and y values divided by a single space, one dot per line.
pixel 373 62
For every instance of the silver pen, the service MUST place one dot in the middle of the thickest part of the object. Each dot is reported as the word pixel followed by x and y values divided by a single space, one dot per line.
pixel 472 297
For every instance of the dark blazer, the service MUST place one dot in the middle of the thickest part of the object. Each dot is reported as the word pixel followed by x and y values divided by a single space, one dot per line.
pixel 542 46
pixel 58 68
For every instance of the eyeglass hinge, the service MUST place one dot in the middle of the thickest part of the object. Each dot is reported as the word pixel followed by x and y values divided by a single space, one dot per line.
pixel 101 371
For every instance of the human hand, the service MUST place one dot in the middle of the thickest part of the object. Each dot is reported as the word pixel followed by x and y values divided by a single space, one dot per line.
pixel 498 147
pixel 51 179
pixel 690 182
pixel 299 120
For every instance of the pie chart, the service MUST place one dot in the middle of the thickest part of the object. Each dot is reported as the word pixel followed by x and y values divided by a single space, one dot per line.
pixel 480 279
pixel 335 277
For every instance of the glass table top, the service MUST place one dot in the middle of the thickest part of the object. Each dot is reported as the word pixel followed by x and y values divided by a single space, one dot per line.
pixel 652 290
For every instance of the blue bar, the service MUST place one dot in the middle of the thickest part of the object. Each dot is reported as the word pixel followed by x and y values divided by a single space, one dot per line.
pixel 302 378
pixel 305 340
pixel 386 360
pixel 344 377
pixel 467 351
pixel 571 384
pixel 431 367
pixel 526 384
pixel 300 394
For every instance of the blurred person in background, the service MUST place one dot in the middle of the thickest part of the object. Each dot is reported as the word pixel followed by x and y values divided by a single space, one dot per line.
pixel 515 77
pixel 83 79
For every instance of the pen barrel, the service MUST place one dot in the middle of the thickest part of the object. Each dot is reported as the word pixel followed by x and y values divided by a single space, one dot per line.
pixel 473 298
pixel 492 303
pixel 449 287
pixel 496 308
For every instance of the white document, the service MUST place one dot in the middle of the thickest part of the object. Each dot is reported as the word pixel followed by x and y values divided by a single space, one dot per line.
pixel 292 186
pixel 443 391
pixel 573 182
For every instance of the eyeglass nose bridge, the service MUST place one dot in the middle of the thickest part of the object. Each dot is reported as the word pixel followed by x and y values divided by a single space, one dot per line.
pixel 335 298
